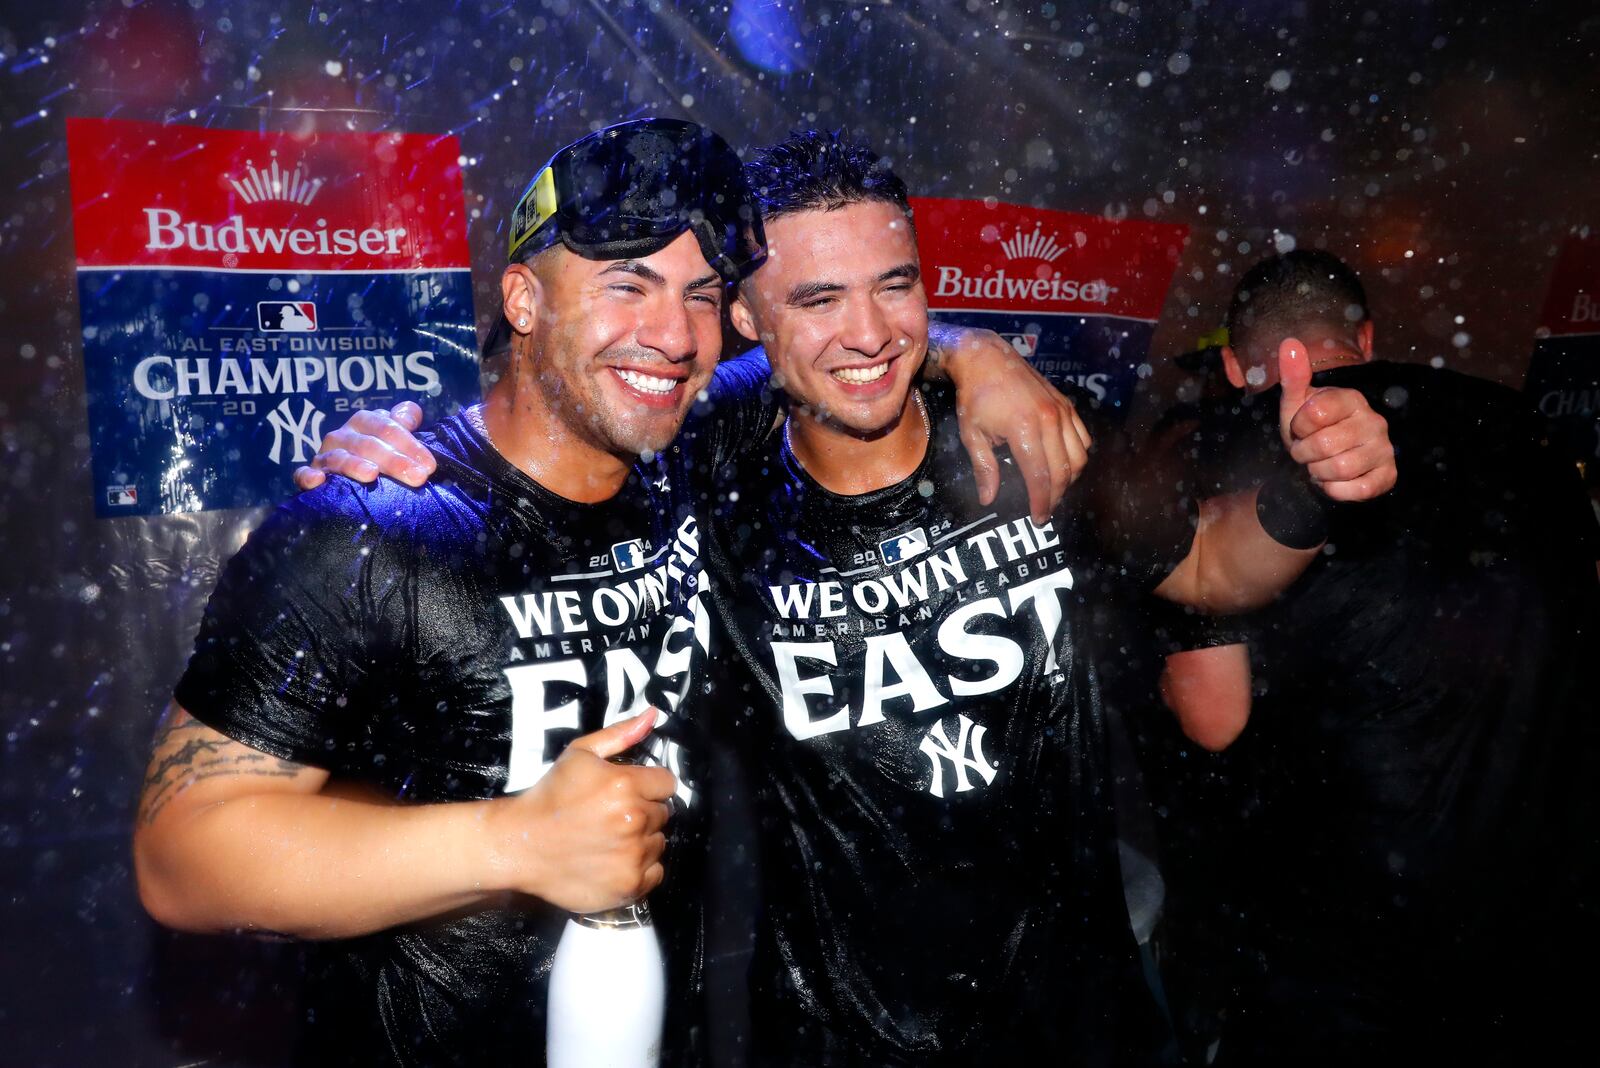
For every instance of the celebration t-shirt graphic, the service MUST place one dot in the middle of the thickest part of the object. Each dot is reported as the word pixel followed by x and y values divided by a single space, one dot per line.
pixel 240 290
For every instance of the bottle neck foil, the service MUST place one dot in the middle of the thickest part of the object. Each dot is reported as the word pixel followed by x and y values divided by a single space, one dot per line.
pixel 628 916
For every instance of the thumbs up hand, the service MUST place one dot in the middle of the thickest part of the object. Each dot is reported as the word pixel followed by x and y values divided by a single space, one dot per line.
pixel 1333 433
pixel 589 835
pixel 1294 375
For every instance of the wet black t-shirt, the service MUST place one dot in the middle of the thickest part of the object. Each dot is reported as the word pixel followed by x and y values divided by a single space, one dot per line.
pixel 1421 739
pixel 910 684
pixel 445 644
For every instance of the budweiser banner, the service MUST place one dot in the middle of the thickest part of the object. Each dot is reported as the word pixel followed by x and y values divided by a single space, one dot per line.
pixel 1564 374
pixel 1078 295
pixel 239 290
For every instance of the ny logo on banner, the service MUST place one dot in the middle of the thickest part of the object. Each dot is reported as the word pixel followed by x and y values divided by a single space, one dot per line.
pixel 305 431
pixel 969 739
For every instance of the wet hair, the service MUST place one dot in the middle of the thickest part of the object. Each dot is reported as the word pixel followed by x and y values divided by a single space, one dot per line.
pixel 814 170
pixel 1283 294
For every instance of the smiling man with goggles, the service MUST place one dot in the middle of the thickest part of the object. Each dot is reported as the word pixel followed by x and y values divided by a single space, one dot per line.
pixel 629 190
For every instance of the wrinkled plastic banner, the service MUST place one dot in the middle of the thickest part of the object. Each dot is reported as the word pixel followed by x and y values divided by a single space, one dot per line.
pixel 241 293
pixel 1078 295
pixel 1564 373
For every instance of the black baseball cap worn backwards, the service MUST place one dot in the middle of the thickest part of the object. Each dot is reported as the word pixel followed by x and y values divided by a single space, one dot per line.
pixel 629 190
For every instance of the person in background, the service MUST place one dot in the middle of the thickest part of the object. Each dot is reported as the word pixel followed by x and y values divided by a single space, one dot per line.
pixel 1414 878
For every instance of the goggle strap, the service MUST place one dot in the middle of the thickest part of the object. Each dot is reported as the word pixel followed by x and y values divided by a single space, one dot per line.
pixel 536 208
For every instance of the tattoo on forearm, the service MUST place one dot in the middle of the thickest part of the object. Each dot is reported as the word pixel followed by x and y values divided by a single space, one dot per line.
pixel 180 761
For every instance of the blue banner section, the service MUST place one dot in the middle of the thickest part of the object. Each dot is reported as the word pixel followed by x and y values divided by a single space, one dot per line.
pixel 1094 359
pixel 1564 381
pixel 207 388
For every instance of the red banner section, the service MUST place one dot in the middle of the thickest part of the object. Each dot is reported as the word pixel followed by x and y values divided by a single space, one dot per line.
pixel 147 195
pixel 1572 305
pixel 982 255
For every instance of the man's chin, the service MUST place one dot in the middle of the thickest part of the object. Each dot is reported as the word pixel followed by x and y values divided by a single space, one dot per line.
pixel 636 438
pixel 865 420
pixel 638 423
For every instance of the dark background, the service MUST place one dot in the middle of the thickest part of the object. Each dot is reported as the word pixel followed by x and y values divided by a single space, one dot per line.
pixel 1444 147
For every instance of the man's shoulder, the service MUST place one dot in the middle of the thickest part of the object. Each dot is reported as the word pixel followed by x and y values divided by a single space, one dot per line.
pixel 1399 384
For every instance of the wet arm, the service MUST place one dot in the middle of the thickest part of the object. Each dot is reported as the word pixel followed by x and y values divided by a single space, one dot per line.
pixel 231 838
pixel 1208 689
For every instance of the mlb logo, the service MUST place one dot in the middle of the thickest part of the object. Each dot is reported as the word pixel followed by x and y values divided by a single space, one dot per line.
pixel 119 496
pixel 903 546
pixel 628 555
pixel 286 316
pixel 1025 344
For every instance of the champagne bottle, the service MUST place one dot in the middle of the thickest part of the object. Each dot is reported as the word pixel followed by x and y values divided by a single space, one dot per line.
pixel 607 992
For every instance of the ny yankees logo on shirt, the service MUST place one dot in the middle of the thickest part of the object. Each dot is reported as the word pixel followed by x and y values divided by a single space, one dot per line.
pixel 965 755
pixel 969 577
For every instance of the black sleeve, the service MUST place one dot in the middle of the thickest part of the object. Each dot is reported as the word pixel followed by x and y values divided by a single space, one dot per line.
pixel 283 647
pixel 739 410
pixel 1178 628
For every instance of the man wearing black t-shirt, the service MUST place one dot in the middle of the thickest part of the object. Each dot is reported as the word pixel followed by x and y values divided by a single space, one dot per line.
pixel 914 694
pixel 1420 879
